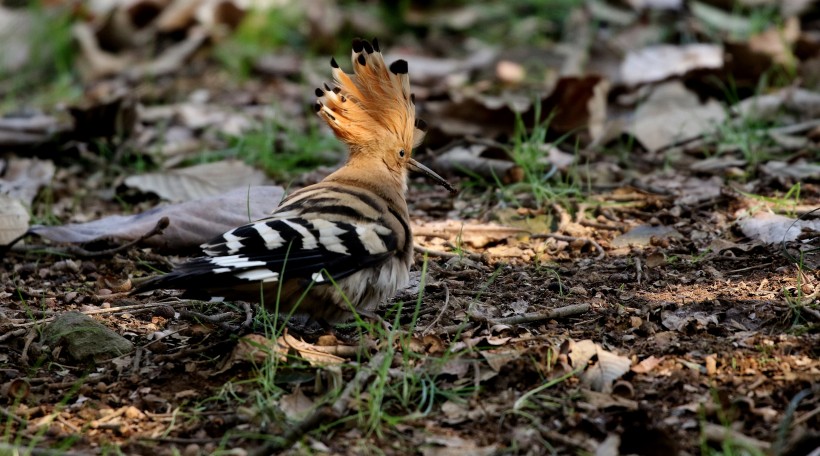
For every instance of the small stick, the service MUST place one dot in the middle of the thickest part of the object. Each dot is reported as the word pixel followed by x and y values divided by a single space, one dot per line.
pixel 441 254
pixel 129 308
pixel 441 312
pixel 561 312
pixel 638 270
pixel 80 252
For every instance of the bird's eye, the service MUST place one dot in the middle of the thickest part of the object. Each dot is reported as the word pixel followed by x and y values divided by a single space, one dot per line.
pixel 401 153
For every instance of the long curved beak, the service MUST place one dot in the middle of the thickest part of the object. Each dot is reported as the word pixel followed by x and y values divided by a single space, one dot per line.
pixel 412 164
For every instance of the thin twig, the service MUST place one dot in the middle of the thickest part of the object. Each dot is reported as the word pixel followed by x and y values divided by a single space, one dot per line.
pixel 442 254
pixel 11 416
pixel 441 312
pixel 561 312
pixel 80 252
pixel 717 433
pixel 129 308
pixel 638 270
pixel 15 333
pixel 601 226
pixel 561 237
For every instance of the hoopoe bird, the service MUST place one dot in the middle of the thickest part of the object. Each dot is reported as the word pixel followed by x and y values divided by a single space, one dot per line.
pixel 345 241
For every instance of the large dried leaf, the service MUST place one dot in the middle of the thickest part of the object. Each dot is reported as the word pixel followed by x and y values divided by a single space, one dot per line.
pixel 605 367
pixel 23 178
pixel 656 63
pixel 191 223
pixel 198 181
pixel 15 28
pixel 13 219
pixel 673 114
pixel 772 228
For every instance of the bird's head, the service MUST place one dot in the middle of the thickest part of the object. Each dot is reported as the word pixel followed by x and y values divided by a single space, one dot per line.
pixel 374 113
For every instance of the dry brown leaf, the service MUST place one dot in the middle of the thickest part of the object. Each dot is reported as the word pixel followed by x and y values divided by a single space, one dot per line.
pixel 606 368
pixel 772 228
pixel 499 358
pixel 777 41
pixel 641 236
pixel 14 218
pixel 656 63
pixel 191 223
pixel 452 445
pixel 800 170
pixel 198 181
pixel 308 351
pixel 479 159
pixel 254 348
pixel 646 365
pixel 15 30
pixel 29 130
pixel 296 405
pixel 672 114
pixel 22 178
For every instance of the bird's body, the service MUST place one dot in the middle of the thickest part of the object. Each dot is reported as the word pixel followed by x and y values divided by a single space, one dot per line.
pixel 342 243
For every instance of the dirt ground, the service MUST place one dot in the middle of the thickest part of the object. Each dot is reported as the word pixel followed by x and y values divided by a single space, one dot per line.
pixel 647 300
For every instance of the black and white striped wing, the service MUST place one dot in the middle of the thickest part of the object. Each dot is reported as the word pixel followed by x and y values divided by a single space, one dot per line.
pixel 275 249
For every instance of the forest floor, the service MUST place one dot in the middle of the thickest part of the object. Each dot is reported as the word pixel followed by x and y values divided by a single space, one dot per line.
pixel 601 284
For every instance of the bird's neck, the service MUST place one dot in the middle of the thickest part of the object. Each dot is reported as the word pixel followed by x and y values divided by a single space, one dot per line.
pixel 373 174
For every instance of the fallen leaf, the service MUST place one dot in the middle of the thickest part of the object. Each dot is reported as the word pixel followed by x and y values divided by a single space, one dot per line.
pixel 799 170
pixel 198 181
pixel 453 445
pixel 15 30
pixel 309 352
pixel 641 236
pixel 719 19
pixel 772 228
pixel 777 41
pixel 14 218
pixel 610 446
pixel 23 178
pixel 605 369
pixel 191 223
pixel 671 114
pixel 497 359
pixel 479 159
pixel 646 365
pixel 656 63
pixel 296 405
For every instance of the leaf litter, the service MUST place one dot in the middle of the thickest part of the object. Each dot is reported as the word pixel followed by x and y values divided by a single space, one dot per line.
pixel 644 278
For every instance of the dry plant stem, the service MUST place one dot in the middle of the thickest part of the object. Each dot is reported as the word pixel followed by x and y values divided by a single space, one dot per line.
pixel 441 254
pixel 215 320
pixel 601 226
pixel 83 253
pixel 441 312
pixel 561 237
pixel 10 334
pixel 109 310
pixel 718 433
pixel 561 312
pixel 11 416
pixel 453 329
pixel 324 414
pixel 638 270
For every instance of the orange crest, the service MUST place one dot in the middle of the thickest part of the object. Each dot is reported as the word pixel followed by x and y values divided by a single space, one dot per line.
pixel 373 104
